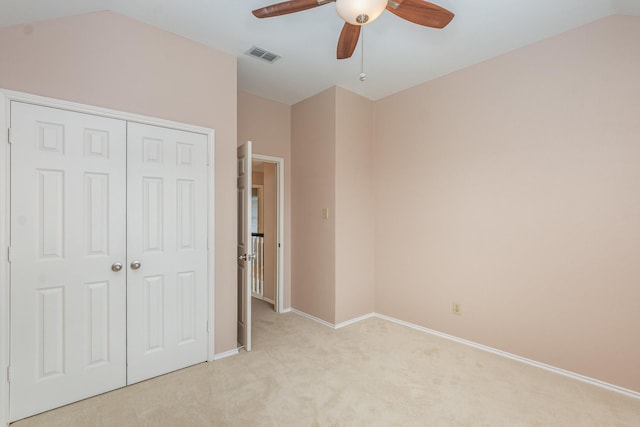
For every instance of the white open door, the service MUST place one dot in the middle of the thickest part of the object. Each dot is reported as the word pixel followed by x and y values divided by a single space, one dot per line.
pixel 167 250
pixel 68 240
pixel 244 245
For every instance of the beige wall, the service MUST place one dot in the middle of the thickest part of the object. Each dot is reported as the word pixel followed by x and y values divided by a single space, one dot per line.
pixel 333 264
pixel 268 125
pixel 110 61
pixel 313 188
pixel 354 210
pixel 511 187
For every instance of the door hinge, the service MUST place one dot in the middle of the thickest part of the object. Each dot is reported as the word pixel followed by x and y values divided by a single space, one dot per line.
pixel 8 374
pixel 9 135
pixel 9 253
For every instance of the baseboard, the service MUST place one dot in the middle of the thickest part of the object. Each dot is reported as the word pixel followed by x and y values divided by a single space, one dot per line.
pixel 270 301
pixel 556 370
pixel 233 352
pixel 352 321
pixel 331 325
pixel 286 310
pixel 314 318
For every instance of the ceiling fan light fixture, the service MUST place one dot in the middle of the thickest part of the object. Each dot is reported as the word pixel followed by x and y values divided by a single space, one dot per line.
pixel 360 12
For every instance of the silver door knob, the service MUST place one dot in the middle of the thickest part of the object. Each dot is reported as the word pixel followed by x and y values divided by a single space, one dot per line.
pixel 135 265
pixel 116 266
pixel 246 257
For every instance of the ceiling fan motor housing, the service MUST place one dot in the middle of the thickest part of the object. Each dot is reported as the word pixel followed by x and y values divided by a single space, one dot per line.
pixel 360 12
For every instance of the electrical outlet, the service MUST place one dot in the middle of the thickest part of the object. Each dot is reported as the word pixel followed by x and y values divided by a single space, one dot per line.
pixel 457 309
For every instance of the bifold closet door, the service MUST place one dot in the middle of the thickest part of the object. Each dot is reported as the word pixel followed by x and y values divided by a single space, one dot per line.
pixel 68 294
pixel 167 250
pixel 108 254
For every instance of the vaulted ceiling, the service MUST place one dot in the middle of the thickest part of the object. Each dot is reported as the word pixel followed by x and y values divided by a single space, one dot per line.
pixel 397 53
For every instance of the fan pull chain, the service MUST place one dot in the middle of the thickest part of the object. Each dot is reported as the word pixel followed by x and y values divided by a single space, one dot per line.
pixel 363 76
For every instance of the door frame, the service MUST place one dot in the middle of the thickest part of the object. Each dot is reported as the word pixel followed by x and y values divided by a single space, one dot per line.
pixel 6 96
pixel 279 162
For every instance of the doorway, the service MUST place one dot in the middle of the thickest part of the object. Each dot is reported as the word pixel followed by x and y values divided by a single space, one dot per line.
pixel 263 231
pixel 269 184
pixel 246 255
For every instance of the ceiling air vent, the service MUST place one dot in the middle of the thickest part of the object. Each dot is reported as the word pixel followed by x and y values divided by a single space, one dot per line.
pixel 263 54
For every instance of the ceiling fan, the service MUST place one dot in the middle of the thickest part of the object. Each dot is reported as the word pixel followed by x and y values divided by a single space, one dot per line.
pixel 356 13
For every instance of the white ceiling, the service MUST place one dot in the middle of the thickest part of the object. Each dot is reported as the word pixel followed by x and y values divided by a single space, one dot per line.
pixel 398 54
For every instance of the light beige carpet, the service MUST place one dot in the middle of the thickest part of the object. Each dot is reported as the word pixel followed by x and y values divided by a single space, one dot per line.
pixel 373 373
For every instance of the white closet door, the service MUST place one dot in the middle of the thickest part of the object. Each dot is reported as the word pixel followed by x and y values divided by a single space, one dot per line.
pixel 68 195
pixel 167 250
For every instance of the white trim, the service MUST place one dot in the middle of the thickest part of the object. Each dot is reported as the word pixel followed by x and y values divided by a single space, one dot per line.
pixel 211 244
pixel 224 354
pixel 270 301
pixel 5 197
pixel 352 321
pixel 6 96
pixel 286 310
pixel 279 161
pixel 556 370
pixel 103 112
pixel 331 325
pixel 314 318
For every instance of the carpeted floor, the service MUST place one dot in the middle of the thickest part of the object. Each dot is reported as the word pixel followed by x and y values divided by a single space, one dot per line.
pixel 372 373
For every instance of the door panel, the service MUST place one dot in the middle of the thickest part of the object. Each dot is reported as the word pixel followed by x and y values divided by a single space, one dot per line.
pixel 244 245
pixel 167 235
pixel 67 229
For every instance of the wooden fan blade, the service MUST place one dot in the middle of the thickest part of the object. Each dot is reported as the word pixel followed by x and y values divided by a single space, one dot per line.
pixel 348 40
pixel 420 12
pixel 287 7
